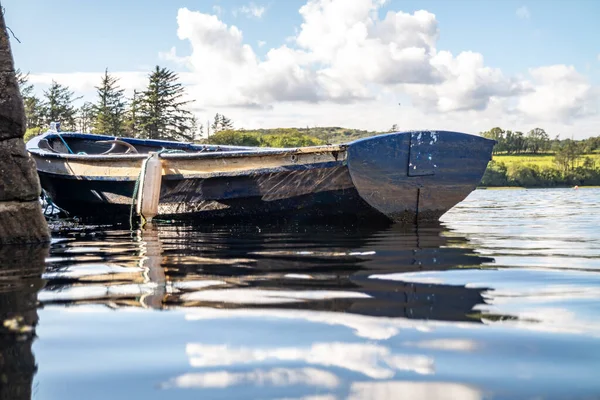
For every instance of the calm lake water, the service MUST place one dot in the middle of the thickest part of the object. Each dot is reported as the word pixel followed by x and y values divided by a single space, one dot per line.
pixel 499 300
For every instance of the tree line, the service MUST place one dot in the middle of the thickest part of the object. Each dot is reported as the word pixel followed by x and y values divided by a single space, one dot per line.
pixel 160 111
pixel 536 141
pixel 572 163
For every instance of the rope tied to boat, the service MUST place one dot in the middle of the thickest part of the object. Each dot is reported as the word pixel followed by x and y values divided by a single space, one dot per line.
pixel 80 153
pixel 65 143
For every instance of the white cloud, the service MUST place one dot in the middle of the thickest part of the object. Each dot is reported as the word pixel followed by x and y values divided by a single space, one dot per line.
pixel 171 56
pixel 336 62
pixel 559 92
pixel 217 9
pixel 358 49
pixel 467 84
pixel 523 12
pixel 348 66
pixel 251 10
pixel 344 53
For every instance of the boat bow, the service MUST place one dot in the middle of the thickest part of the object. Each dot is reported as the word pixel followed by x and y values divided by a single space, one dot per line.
pixel 419 174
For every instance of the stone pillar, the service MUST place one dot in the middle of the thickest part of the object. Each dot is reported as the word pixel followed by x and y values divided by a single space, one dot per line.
pixel 21 218
pixel 21 270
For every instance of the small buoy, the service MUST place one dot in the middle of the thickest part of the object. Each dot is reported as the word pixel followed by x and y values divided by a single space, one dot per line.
pixel 149 190
pixel 576 187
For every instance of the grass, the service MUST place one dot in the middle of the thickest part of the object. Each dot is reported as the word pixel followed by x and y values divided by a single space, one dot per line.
pixel 542 160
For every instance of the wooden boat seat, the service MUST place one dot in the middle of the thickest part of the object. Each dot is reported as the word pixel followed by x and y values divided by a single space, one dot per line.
pixel 115 144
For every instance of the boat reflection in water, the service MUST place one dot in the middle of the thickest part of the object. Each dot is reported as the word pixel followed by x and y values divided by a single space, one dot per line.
pixel 272 311
pixel 332 268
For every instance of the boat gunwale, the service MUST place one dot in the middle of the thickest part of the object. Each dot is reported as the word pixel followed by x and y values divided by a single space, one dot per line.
pixel 230 152
pixel 412 131
pixel 205 175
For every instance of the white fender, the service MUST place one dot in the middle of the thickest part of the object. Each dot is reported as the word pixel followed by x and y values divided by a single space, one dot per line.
pixel 149 190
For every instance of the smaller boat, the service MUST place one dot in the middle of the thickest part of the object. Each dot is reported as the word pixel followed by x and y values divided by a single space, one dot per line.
pixel 403 176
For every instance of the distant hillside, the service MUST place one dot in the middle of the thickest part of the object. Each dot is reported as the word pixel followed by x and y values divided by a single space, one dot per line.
pixel 331 134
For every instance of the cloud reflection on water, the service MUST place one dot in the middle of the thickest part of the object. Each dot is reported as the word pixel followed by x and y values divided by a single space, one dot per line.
pixel 262 377
pixel 372 360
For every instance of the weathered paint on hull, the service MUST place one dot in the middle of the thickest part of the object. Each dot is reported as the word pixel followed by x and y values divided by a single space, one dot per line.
pixel 405 176
pixel 113 200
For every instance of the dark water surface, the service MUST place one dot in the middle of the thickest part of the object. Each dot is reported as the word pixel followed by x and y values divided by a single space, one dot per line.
pixel 499 300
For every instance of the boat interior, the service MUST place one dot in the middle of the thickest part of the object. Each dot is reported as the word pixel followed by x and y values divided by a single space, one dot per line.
pixel 87 144
pixel 72 143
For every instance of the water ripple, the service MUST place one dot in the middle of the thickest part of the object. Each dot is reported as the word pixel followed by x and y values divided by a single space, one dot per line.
pixel 498 300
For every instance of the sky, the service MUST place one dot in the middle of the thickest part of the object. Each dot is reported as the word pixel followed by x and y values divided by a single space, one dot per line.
pixel 465 65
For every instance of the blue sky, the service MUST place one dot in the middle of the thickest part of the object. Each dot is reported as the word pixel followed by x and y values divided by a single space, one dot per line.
pixel 73 36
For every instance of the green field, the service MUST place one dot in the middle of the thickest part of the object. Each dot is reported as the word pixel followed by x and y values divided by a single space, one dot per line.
pixel 541 160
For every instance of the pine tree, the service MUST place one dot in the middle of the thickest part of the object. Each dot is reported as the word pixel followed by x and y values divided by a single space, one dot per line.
pixel 200 131
pixel 216 125
pixel 133 116
pixel 58 106
pixel 24 86
pixel 85 117
pixel 196 128
pixel 33 112
pixel 163 115
pixel 221 123
pixel 109 110
pixel 33 105
pixel 226 123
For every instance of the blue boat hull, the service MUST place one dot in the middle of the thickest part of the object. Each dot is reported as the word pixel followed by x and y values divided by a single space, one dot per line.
pixel 213 198
pixel 422 173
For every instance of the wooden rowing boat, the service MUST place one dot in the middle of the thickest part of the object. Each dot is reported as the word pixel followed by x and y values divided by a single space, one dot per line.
pixel 403 176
